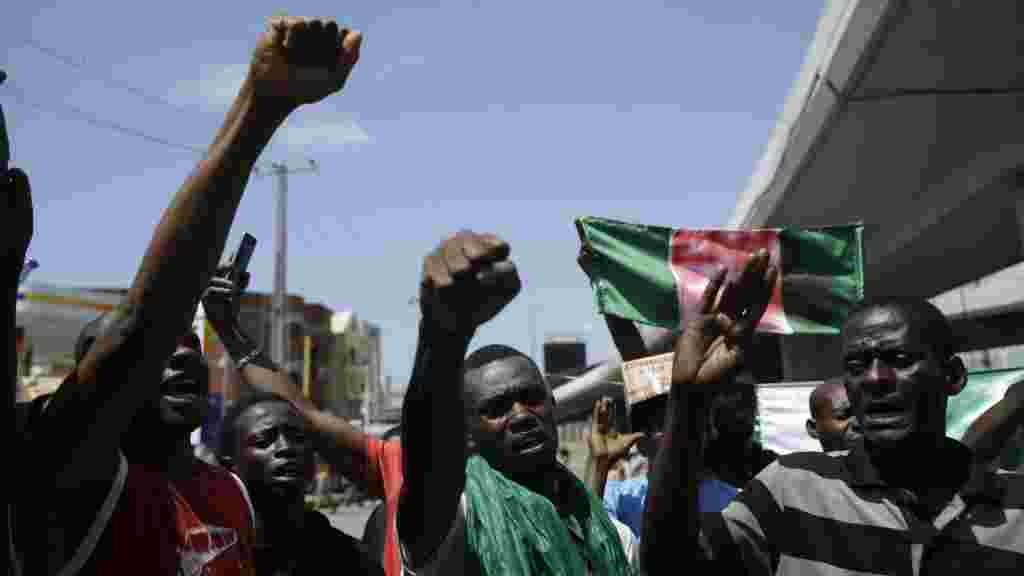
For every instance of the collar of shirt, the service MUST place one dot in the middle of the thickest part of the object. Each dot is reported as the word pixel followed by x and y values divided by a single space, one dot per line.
pixel 981 484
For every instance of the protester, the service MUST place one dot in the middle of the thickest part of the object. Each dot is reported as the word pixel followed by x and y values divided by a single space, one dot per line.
pixel 266 441
pixel 832 422
pixel 218 514
pixel 607 448
pixel 80 510
pixel 902 501
pixel 373 465
pixel 501 504
pixel 624 500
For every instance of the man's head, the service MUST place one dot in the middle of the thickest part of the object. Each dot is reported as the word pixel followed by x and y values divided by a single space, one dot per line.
pixel 184 386
pixel 510 411
pixel 265 441
pixel 832 422
pixel 899 368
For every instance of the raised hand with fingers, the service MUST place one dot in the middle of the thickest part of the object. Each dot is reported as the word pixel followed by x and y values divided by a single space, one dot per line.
pixel 467 280
pixel 303 60
pixel 711 348
pixel 604 441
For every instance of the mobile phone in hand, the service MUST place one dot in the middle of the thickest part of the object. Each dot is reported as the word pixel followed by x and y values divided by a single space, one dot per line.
pixel 240 261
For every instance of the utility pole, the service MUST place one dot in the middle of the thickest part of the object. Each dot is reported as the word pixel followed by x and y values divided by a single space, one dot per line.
pixel 279 336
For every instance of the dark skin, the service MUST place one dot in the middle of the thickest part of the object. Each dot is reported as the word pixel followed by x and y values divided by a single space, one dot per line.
pixel 707 356
pixel 607 447
pixel 343 446
pixel 274 458
pixel 167 421
pixel 512 421
pixel 17 194
pixel 294 63
pixel 832 422
pixel 899 386
pixel 466 281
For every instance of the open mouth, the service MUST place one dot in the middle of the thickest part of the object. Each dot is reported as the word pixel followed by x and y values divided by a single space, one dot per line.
pixel 181 400
pixel 289 471
pixel 883 414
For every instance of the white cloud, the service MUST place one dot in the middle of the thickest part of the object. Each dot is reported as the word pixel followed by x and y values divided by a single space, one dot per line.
pixel 215 88
pixel 301 137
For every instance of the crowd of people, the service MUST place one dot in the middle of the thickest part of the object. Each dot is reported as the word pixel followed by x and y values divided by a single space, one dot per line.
pixel 473 484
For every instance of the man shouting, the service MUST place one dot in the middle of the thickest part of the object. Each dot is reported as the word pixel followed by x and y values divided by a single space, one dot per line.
pixel 499 503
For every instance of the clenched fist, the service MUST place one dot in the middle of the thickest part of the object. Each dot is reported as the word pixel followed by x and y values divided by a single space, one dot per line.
pixel 467 280
pixel 303 60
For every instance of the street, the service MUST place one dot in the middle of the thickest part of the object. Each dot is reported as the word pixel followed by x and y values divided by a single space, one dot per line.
pixel 351 519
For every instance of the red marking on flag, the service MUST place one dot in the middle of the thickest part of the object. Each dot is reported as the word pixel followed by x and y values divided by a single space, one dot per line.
pixel 697 255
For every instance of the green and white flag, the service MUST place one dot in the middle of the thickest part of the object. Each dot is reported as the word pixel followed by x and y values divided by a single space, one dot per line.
pixel 656 275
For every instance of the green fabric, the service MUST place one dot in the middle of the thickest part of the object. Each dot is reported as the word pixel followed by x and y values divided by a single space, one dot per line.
pixel 984 389
pixel 822 276
pixel 822 273
pixel 630 274
pixel 511 530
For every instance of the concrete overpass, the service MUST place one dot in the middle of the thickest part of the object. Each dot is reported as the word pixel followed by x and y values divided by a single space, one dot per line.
pixel 908 116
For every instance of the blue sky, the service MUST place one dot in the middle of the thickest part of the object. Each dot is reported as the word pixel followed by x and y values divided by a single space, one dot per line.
pixel 506 117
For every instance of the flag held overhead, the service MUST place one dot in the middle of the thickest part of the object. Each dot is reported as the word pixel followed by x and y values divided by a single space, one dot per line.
pixel 656 275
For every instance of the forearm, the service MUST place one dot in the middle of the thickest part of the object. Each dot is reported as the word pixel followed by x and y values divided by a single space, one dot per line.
pixel 189 240
pixel 175 269
pixel 336 440
pixel 433 443
pixel 671 504
pixel 626 337
pixel 597 474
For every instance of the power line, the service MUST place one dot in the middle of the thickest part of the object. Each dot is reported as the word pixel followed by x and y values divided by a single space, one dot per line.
pixel 97 122
pixel 106 78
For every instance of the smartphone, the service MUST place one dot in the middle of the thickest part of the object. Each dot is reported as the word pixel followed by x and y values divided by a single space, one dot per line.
pixel 240 261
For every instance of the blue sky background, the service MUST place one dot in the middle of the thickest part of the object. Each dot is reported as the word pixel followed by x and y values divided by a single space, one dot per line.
pixel 507 117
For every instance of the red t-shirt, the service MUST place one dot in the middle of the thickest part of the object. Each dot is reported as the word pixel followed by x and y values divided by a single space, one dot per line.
pixel 383 479
pixel 198 527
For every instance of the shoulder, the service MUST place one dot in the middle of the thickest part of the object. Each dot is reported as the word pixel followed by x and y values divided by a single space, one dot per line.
pixel 338 547
pixel 825 464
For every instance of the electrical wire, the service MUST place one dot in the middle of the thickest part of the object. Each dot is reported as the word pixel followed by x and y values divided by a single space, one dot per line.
pixel 97 122
pixel 106 78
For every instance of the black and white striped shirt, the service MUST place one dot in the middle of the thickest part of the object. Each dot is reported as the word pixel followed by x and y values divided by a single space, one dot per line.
pixel 831 514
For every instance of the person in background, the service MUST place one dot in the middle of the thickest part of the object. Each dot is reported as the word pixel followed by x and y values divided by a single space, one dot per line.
pixel 832 422
pixel 266 442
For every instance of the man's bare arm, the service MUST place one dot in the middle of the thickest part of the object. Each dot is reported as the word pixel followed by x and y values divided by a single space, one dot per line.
pixel 112 380
pixel 707 354
pixel 466 281
pixel 336 440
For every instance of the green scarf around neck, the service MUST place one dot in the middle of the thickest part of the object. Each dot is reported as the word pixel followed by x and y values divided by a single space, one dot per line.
pixel 511 530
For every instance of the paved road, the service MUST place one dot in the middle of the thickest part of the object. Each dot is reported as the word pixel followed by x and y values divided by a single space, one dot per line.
pixel 351 519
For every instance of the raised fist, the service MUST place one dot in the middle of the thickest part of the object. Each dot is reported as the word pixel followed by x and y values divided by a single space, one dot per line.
pixel 467 280
pixel 303 60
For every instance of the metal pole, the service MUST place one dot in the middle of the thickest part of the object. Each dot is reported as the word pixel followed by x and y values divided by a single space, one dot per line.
pixel 280 336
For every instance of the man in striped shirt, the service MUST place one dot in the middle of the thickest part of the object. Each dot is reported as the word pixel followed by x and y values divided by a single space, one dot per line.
pixel 905 500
